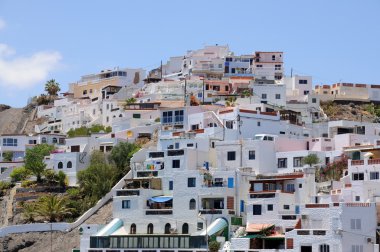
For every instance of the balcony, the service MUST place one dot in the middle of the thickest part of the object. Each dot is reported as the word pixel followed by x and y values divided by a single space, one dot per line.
pixel 311 232
pixel 211 211
pixel 159 212
pixel 365 162
pixel 127 192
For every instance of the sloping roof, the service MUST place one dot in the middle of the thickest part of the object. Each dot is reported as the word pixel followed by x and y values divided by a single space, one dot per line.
pixel 255 228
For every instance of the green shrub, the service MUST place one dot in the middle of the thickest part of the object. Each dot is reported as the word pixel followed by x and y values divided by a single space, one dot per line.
pixel 28 183
pixel 20 173
pixel 7 156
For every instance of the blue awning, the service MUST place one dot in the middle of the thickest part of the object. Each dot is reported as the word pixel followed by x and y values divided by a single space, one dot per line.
pixel 161 199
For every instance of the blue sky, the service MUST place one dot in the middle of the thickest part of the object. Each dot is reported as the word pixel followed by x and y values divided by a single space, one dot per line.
pixel 43 39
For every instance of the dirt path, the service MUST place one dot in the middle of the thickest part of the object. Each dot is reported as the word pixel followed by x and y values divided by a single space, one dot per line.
pixel 9 207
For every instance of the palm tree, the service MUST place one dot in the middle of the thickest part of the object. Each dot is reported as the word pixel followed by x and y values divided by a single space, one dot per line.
pixel 29 212
pixel 52 87
pixel 53 208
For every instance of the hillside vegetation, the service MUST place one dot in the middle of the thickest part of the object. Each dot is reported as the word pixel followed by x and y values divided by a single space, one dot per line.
pixel 353 111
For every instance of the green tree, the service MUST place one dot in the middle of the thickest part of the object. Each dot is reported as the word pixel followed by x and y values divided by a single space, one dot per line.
pixel 20 173
pixel 99 177
pixel 34 159
pixel 121 156
pixel 29 212
pixel 61 179
pixel 84 131
pixel 214 246
pixel 311 159
pixel 52 87
pixel 7 156
pixel 52 208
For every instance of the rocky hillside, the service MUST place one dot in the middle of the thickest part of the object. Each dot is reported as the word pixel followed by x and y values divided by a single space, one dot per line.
pixel 351 111
pixel 17 120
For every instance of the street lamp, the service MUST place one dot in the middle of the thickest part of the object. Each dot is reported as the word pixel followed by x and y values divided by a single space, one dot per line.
pixel 203 218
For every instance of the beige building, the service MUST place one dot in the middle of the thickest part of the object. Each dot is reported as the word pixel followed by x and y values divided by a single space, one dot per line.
pixel 91 85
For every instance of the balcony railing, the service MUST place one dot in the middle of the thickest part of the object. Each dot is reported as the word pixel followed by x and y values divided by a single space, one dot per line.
pixel 159 212
pixel 128 193
pixel 211 211
pixel 369 162
pixel 311 232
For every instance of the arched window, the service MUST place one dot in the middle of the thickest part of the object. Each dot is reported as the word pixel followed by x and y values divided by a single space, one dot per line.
pixel 192 204
pixel 185 228
pixel 69 164
pixel 120 115
pixel 324 248
pixel 43 140
pixel 167 228
pixel 133 229
pixel 150 228
pixel 55 140
pixel 60 165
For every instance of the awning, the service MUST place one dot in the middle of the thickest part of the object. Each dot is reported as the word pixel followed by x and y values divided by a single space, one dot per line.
pixel 256 228
pixel 251 236
pixel 161 199
pixel 111 227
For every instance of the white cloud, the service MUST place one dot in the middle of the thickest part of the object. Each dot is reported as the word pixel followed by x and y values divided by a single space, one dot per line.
pixel 2 24
pixel 26 71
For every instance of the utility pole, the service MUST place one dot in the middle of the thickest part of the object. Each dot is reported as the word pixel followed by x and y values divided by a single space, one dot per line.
pixel 184 96
pixel 203 94
pixel 291 72
pixel 161 69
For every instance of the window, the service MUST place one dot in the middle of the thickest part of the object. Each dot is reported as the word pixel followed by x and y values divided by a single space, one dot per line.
pixel 178 115
pixel 43 140
pixel 356 224
pixel 251 155
pixel 273 57
pixel 84 92
pixel 290 188
pixel 133 229
pixel 270 207
pixel 167 228
pixel 185 228
pixel 357 248
pixel 263 96
pixel 231 155
pixel 126 204
pixel 175 163
pixel 306 92
pixel 324 248
pixel 302 81
pixel 60 165
pixel 373 175
pixel 256 209
pixel 167 116
pixel 192 204
pixel 286 207
pixel 299 185
pixel 225 88
pixel 107 119
pixel 277 67
pixel 357 198
pixel 314 100
pixel 258 124
pixel 9 142
pixel 229 124
pixel 69 165
pixel 136 116
pixel 55 140
pixel 150 228
pixel 278 96
pixel 170 185
pixel 191 182
pixel 297 161
pixel 259 66
pixel 358 176
pixel 282 163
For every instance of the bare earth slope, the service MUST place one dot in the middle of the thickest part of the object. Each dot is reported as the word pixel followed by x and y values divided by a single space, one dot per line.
pixel 62 242
pixel 17 120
